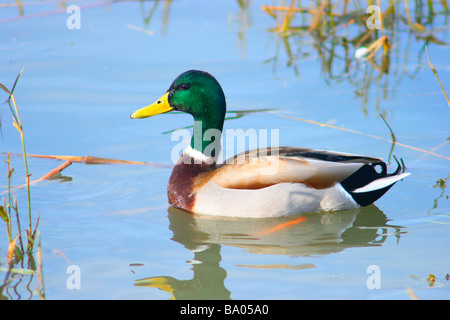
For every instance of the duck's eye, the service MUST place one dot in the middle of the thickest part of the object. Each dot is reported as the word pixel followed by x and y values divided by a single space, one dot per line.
pixel 185 86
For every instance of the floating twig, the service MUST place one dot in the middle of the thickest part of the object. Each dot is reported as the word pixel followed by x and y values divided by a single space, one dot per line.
pixel 270 10
pixel 54 171
pixel 44 177
pixel 95 160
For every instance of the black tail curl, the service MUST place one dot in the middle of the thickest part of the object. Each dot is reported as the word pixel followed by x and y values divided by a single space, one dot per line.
pixel 365 175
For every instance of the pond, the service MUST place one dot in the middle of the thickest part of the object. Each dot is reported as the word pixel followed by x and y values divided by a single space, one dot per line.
pixel 106 231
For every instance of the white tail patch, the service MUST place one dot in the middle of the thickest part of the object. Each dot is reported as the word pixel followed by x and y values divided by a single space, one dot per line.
pixel 381 183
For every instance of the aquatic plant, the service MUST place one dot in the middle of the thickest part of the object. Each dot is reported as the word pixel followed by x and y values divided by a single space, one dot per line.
pixel 355 40
pixel 17 251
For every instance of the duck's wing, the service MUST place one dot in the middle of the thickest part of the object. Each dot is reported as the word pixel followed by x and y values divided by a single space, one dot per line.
pixel 264 167
pixel 315 168
pixel 295 152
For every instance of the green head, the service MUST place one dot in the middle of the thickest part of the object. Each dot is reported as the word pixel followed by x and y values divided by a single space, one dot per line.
pixel 197 93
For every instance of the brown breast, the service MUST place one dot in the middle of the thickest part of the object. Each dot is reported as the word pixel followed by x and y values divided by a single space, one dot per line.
pixel 184 181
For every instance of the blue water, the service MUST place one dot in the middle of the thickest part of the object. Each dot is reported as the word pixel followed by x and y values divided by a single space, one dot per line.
pixel 113 221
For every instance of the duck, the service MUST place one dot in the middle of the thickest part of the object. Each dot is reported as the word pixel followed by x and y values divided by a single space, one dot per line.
pixel 265 182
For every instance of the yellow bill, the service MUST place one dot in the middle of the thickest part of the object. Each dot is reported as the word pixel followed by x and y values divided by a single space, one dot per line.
pixel 158 107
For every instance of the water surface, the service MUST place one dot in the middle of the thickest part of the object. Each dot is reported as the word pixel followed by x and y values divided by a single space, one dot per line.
pixel 113 221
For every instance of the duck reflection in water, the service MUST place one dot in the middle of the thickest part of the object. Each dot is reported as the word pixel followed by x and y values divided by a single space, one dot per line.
pixel 314 234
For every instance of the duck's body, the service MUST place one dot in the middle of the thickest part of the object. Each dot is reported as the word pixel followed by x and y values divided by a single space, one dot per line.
pixel 260 183
pixel 293 181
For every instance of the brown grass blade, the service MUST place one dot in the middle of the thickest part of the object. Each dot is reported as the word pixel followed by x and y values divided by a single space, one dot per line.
pixel 54 171
pixel 94 160
pixel 270 10
pixel 11 247
pixel 46 176
pixel 316 19
pixel 367 135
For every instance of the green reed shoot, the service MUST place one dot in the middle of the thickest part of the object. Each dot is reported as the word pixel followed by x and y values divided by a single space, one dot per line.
pixel 12 204
pixel 16 251
pixel 437 78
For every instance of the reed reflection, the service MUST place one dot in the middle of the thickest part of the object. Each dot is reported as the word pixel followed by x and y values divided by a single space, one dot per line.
pixel 342 36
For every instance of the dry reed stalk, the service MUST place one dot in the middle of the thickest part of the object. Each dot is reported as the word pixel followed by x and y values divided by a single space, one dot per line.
pixel 365 37
pixel 54 171
pixel 407 12
pixel 380 15
pixel 367 135
pixel 94 160
pixel 30 3
pixel 269 10
pixel 436 75
pixel 46 176
pixel 374 47
pixel 316 19
pixel 87 159
pixel 11 247
pixel 53 12
pixel 288 17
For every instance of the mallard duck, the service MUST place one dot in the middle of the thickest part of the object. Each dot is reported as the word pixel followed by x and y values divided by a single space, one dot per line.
pixel 267 182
